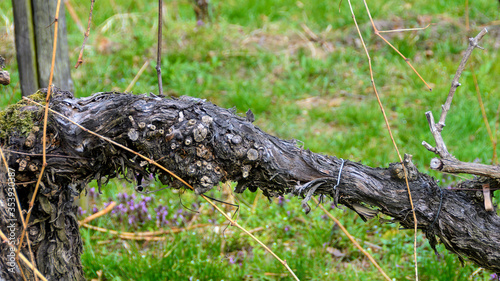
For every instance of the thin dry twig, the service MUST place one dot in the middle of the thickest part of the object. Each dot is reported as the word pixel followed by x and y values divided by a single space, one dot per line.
pixel 151 235
pixel 21 215
pixel 158 54
pixel 407 60
pixel 436 128
pixel 86 36
pixel 315 38
pixel 44 139
pixel 390 134
pixel 101 213
pixel 485 117
pixel 153 162
pixel 372 260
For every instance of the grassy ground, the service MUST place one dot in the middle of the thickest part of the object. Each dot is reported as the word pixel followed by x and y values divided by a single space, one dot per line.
pixel 256 54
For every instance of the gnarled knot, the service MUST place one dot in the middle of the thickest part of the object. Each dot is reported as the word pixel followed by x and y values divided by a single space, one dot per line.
pixel 398 171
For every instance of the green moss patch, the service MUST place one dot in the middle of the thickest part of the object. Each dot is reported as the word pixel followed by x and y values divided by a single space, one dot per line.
pixel 19 117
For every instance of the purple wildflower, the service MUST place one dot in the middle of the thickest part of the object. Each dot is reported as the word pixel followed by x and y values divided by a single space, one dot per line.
pixel 81 211
pixel 281 201
pixel 92 193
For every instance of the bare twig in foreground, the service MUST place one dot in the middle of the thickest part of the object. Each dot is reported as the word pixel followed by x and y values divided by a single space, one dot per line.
pixel 80 57
pixel 404 168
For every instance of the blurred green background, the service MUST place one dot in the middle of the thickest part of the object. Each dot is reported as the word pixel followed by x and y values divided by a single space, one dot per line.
pixel 300 67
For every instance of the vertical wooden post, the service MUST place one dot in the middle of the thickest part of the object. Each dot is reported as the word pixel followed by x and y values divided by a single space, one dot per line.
pixel 34 33
pixel 25 46
pixel 43 17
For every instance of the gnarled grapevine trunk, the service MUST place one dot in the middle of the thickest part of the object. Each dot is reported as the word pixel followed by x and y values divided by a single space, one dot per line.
pixel 204 145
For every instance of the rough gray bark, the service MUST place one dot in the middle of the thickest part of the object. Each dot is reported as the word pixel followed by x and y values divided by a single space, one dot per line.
pixel 34 35
pixel 204 145
pixel 4 77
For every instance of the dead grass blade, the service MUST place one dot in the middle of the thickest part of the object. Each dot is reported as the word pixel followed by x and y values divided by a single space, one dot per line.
pixel 73 15
pixel 129 87
pixel 372 260
pixel 404 29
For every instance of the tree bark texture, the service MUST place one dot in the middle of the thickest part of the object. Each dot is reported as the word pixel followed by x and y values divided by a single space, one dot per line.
pixel 34 33
pixel 4 77
pixel 204 145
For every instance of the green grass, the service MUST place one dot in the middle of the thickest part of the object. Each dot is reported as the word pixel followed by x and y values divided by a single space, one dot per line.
pixel 253 55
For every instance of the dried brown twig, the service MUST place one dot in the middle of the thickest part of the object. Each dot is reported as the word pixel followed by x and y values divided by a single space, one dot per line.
pixel 25 260
pixel 86 36
pixel 372 260
pixel 151 235
pixel 390 133
pixel 407 60
pixel 101 213
pixel 404 29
